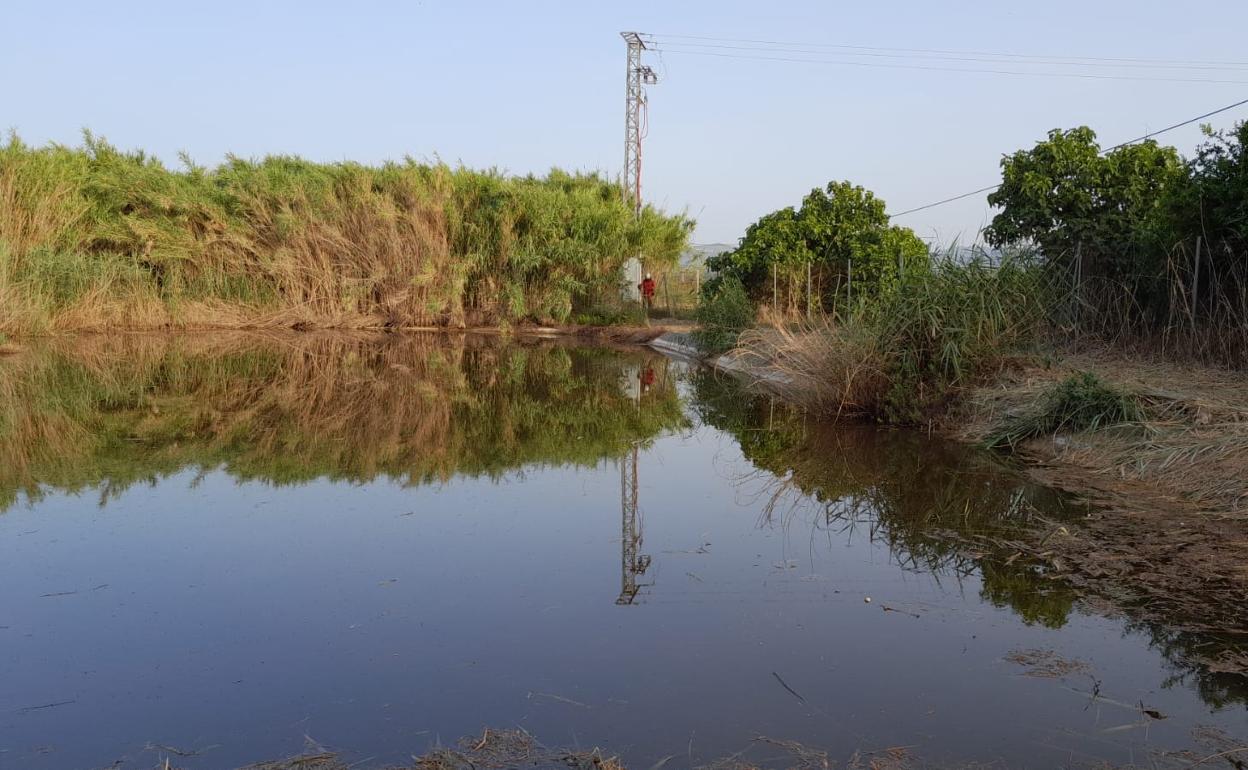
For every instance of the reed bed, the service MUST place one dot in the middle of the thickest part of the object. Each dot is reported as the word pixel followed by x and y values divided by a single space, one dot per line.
pixel 97 238
pixel 901 354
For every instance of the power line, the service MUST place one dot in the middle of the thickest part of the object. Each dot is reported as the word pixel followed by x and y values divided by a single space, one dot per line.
pixel 1106 151
pixel 884 53
pixel 945 51
pixel 982 71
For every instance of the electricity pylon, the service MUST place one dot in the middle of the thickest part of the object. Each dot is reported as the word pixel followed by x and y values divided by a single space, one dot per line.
pixel 637 77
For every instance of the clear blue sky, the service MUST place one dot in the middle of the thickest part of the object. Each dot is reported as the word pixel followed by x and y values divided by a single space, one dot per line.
pixel 527 86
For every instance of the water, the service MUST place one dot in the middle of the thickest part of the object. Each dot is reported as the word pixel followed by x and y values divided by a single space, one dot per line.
pixel 229 544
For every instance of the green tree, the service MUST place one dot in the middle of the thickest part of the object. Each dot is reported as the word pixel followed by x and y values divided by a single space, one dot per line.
pixel 1069 198
pixel 1213 200
pixel 838 228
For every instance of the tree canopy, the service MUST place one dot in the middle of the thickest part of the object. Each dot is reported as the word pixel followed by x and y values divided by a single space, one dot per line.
pixel 837 226
pixel 1069 198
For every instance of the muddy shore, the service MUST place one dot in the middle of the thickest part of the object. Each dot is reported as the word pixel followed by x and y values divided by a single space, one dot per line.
pixel 1165 539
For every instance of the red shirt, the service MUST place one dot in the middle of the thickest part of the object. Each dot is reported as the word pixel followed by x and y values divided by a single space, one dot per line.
pixel 647 287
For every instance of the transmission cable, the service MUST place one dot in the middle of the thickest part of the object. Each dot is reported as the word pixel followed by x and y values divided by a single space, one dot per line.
pixel 984 71
pixel 1230 64
pixel 1106 151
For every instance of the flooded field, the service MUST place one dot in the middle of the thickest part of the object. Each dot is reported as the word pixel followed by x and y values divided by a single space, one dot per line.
pixel 223 549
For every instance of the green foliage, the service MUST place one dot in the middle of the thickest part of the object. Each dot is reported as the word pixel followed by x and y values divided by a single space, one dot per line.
pixel 722 315
pixel 89 229
pixel 631 314
pixel 838 230
pixel 1071 200
pixel 1214 197
pixel 1081 402
pixel 1152 242
pixel 900 355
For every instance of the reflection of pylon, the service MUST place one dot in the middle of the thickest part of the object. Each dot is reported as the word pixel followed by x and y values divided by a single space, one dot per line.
pixel 632 564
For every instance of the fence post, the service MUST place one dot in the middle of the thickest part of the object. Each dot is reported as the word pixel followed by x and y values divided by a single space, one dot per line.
pixel 1079 286
pixel 808 290
pixel 1195 284
pixel 775 290
pixel 849 283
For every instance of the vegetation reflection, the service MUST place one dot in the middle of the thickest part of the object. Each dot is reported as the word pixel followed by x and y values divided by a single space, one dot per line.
pixel 107 413
pixel 941 508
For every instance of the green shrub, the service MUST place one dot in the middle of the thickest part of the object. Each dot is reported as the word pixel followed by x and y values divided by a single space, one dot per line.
pixel 1081 402
pixel 722 315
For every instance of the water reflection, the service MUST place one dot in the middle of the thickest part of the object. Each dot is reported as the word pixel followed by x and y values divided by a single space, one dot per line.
pixel 941 508
pixel 497 602
pixel 107 413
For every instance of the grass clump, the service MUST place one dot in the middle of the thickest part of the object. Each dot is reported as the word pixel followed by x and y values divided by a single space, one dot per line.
pixel 1081 402
pixel 723 314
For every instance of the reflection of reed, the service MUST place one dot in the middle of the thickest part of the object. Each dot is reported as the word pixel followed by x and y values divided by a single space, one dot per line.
pixel 928 501
pixel 905 491
pixel 105 412
pixel 923 499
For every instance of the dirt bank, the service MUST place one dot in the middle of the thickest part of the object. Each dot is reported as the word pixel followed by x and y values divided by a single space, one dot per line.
pixel 1168 533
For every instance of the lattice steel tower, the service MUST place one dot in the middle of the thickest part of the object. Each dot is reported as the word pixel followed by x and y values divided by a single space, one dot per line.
pixel 637 77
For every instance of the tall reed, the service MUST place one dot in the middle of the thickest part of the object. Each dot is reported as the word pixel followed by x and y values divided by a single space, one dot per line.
pixel 95 237
pixel 897 355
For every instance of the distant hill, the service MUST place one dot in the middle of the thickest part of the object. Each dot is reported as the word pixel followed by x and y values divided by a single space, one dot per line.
pixel 697 253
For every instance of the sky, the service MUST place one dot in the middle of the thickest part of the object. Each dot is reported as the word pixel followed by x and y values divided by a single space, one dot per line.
pixel 524 87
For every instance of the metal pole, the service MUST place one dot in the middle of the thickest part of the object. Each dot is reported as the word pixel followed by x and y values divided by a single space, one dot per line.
pixel 808 308
pixel 1196 283
pixel 1079 286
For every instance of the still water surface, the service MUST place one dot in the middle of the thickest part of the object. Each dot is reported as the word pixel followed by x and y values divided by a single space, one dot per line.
pixel 231 544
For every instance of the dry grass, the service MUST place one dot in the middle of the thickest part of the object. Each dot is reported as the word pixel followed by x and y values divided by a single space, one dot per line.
pixel 819 363
pixel 1167 534
pixel 1045 664
pixel 1191 445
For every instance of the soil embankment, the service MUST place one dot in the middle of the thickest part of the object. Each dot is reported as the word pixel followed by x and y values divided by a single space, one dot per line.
pixel 1169 528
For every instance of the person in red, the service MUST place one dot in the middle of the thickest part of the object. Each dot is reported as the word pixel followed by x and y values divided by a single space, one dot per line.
pixel 647 291
pixel 647 379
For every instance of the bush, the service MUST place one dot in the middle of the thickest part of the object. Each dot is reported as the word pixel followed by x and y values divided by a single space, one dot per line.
pixel 722 315
pixel 1080 402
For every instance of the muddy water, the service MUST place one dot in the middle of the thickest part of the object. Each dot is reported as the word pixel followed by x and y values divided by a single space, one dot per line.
pixel 228 546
